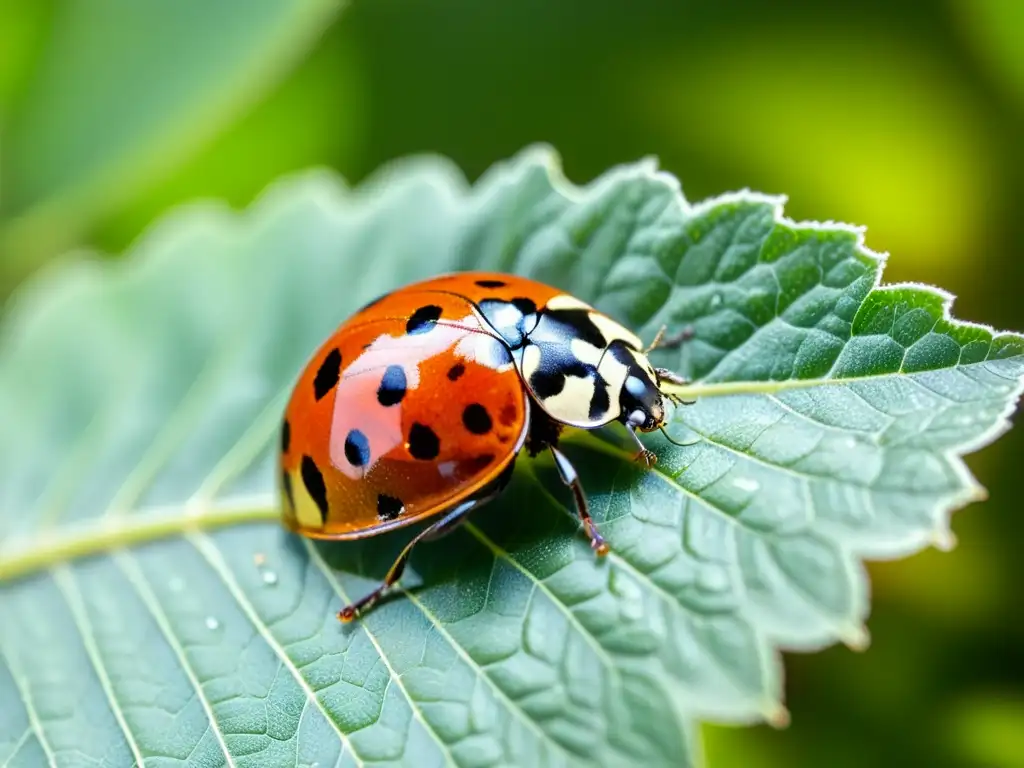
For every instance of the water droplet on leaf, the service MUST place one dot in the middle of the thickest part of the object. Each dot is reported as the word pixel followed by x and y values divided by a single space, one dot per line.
pixel 212 623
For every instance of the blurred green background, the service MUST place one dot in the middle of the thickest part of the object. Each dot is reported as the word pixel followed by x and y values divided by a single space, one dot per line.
pixel 906 117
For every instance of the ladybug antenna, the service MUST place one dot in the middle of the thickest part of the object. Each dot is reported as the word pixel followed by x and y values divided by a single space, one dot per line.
pixel 676 442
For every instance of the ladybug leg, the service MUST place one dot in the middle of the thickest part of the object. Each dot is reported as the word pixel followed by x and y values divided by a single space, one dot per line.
pixel 647 456
pixel 446 524
pixel 664 374
pixel 673 341
pixel 569 476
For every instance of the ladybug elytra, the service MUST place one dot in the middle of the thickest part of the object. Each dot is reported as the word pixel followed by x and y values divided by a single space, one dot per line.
pixel 418 405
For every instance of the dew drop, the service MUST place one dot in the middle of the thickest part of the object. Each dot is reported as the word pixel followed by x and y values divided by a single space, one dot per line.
pixel 269 577
pixel 716 301
pixel 212 623
pixel 746 484
pixel 849 443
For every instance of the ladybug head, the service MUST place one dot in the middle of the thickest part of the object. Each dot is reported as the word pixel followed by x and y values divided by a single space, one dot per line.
pixel 643 405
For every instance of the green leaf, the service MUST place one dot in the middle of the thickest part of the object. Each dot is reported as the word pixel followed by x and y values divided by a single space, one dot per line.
pixel 113 103
pixel 154 606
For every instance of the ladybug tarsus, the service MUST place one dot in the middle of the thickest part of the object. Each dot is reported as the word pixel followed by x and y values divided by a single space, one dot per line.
pixel 346 614
pixel 646 457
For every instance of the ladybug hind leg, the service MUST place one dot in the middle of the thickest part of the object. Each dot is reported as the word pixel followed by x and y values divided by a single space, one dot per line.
pixel 445 525
pixel 570 477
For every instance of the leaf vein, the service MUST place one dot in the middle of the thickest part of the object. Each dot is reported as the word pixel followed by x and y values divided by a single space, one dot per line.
pixel 662 593
pixel 64 579
pixel 137 579
pixel 513 706
pixel 34 721
pixel 211 553
pixel 332 580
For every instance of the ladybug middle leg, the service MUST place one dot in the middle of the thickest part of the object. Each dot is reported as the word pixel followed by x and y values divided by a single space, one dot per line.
pixel 570 477
pixel 446 524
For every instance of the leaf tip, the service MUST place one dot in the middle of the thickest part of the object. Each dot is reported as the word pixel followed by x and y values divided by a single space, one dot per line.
pixel 944 540
pixel 776 715
pixel 856 637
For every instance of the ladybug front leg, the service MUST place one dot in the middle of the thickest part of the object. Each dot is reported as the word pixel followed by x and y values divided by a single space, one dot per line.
pixel 671 377
pixel 646 455
pixel 446 524
pixel 569 476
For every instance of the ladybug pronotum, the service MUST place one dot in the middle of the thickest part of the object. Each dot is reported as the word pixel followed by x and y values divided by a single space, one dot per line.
pixel 417 406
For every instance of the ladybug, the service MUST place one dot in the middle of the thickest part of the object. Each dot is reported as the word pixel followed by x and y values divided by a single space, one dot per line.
pixel 418 405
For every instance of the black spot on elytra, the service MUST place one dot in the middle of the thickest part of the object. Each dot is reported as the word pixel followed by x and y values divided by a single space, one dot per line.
pixel 286 484
pixel 357 448
pixel 327 376
pixel 476 419
pixel 491 283
pixel 392 386
pixel 314 483
pixel 286 436
pixel 456 371
pixel 388 507
pixel 423 319
pixel 423 442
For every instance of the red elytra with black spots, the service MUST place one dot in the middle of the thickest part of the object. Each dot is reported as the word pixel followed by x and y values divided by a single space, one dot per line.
pixel 418 405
